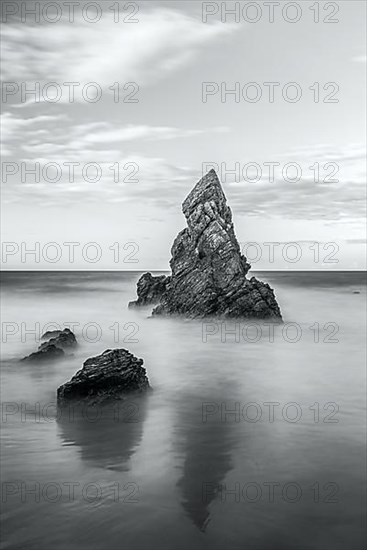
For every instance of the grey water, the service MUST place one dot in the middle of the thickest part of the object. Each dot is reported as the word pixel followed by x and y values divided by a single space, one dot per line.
pixel 252 438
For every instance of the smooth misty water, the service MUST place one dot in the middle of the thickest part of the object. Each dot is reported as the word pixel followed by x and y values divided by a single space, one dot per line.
pixel 155 468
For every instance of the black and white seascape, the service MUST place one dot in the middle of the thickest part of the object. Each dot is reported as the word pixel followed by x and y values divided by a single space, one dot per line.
pixel 183 285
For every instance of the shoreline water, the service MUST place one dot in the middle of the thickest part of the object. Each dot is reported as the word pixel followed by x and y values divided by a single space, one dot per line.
pixel 228 418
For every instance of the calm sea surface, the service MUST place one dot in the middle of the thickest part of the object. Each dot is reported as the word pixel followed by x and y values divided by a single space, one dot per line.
pixel 252 438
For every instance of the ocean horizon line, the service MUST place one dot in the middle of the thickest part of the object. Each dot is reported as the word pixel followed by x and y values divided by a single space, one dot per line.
pixel 168 270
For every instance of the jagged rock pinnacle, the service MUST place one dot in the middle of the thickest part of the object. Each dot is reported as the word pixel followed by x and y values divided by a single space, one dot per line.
pixel 208 189
pixel 208 269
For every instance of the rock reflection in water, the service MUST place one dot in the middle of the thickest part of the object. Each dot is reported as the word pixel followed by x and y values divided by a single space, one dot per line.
pixel 207 449
pixel 107 436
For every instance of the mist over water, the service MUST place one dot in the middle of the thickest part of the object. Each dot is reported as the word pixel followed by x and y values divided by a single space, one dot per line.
pixel 253 436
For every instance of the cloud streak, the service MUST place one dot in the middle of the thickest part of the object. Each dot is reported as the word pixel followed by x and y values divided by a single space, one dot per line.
pixel 160 183
pixel 55 139
pixel 54 136
pixel 163 41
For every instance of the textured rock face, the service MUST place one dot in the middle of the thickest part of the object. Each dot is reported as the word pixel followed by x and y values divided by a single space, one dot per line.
pixel 48 352
pixel 59 340
pixel 150 290
pixel 103 378
pixel 56 333
pixel 208 269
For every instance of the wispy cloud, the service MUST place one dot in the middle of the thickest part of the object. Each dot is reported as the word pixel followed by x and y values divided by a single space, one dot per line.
pixel 40 136
pixel 163 41
pixel 142 132
pixel 307 198
pixel 14 129
pixel 163 184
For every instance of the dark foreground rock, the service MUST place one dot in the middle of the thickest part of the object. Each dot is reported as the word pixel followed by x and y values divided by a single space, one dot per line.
pixel 150 290
pixel 54 347
pixel 208 270
pixel 104 378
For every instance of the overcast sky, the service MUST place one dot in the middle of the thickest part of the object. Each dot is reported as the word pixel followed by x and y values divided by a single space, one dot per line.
pixel 164 132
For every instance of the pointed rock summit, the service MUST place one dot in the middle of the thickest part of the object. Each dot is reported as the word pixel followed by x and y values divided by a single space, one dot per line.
pixel 208 270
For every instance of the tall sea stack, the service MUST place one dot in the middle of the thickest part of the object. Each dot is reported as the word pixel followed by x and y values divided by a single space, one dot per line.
pixel 208 270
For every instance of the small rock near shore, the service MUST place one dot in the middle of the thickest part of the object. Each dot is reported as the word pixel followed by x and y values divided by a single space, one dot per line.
pixel 109 376
pixel 59 340
pixel 47 353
